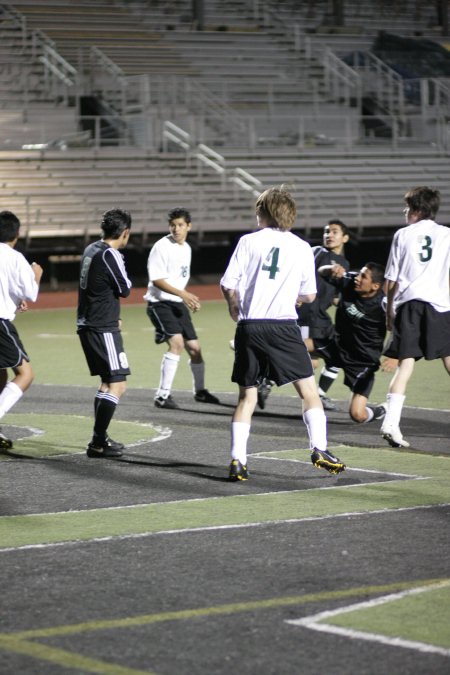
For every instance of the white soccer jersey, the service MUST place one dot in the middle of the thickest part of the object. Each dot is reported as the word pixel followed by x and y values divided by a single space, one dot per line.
pixel 419 261
pixel 169 261
pixel 17 281
pixel 269 269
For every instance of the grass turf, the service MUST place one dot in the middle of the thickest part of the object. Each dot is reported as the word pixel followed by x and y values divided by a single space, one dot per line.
pixel 51 341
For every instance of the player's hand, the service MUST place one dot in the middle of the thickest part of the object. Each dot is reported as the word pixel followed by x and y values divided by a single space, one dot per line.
pixel 191 301
pixel 22 306
pixel 38 271
pixel 337 271
pixel 388 365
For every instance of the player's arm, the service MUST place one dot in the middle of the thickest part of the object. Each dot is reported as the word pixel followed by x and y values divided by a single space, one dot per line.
pixel 189 299
pixel 115 265
pixel 390 288
pixel 231 297
pixel 308 297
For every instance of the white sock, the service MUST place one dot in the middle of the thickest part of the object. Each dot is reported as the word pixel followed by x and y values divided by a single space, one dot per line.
pixel 169 365
pixel 240 432
pixel 370 414
pixel 9 397
pixel 316 424
pixel 394 410
pixel 198 375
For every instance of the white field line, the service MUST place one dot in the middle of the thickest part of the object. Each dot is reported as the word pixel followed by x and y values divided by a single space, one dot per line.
pixel 214 528
pixel 314 622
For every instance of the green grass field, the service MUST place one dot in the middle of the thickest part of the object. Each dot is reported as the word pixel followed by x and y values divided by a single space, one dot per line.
pixel 51 341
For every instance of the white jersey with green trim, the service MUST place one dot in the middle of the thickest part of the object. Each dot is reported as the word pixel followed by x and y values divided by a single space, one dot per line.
pixel 419 261
pixel 170 261
pixel 269 269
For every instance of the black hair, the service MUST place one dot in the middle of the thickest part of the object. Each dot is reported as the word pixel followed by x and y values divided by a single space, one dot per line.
pixel 9 226
pixel 343 226
pixel 179 212
pixel 114 222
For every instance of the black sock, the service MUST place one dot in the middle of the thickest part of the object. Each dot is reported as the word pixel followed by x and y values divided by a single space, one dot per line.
pixel 105 409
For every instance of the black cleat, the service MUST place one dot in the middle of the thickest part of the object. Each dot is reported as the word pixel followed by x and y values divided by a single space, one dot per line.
pixel 5 443
pixel 203 396
pixel 168 403
pixel 328 403
pixel 263 393
pixel 323 459
pixel 115 444
pixel 238 471
pixel 379 411
pixel 102 450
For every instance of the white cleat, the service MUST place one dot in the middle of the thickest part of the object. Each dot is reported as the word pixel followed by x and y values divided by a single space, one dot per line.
pixel 394 437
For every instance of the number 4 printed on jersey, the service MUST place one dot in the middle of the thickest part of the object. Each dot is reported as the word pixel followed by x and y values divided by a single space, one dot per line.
pixel 271 262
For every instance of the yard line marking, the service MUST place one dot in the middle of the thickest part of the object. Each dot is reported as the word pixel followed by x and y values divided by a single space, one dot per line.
pixel 213 528
pixel 215 610
pixel 313 622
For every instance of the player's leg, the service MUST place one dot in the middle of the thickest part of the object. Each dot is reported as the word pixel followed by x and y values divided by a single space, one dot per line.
pixel 390 429
pixel 106 402
pixel 169 367
pixel 14 390
pixel 197 366
pixel 316 425
pixel 240 432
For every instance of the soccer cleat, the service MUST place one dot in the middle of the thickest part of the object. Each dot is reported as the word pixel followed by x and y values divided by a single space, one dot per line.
pixel 203 396
pixel 393 436
pixel 5 443
pixel 238 471
pixel 263 392
pixel 169 403
pixel 114 444
pixel 323 459
pixel 97 449
pixel 328 403
pixel 379 411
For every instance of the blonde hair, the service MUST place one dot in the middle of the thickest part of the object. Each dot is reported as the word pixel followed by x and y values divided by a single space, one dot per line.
pixel 278 207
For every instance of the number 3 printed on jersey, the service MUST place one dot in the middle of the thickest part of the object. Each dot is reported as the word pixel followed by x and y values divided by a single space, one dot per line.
pixel 426 248
pixel 271 262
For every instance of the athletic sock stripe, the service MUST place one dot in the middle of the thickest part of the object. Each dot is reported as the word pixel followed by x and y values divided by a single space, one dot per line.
pixel 111 351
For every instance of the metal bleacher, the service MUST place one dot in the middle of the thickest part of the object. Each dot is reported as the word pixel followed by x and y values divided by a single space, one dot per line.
pixel 247 86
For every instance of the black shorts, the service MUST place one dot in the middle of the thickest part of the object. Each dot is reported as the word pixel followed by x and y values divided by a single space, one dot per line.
pixel 12 351
pixel 105 355
pixel 170 318
pixel 358 377
pixel 419 332
pixel 271 349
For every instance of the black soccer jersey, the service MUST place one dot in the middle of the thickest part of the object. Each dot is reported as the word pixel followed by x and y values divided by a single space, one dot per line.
pixel 315 314
pixel 360 324
pixel 103 280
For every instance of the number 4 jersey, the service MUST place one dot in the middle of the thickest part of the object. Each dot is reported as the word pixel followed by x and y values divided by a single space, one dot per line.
pixel 419 261
pixel 269 269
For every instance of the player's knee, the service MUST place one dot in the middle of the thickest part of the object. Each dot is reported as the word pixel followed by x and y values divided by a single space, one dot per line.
pixel 358 415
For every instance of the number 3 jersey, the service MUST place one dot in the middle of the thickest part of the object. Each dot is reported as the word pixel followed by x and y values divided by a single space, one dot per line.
pixel 269 269
pixel 419 261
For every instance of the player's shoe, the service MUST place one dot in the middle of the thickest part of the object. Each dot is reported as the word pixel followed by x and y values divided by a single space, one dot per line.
pixel 323 459
pixel 5 443
pixel 393 436
pixel 328 403
pixel 263 393
pixel 238 471
pixel 203 396
pixel 96 449
pixel 379 411
pixel 169 403
pixel 115 444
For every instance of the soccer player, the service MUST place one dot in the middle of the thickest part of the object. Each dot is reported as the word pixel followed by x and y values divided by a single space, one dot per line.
pixel 418 299
pixel 103 281
pixel 317 326
pixel 169 269
pixel 360 326
pixel 19 282
pixel 270 271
